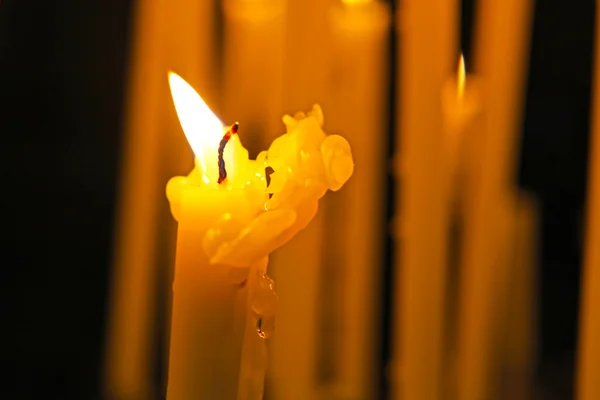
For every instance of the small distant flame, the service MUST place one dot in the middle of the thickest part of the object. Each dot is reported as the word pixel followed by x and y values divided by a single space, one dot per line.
pixel 461 77
pixel 201 126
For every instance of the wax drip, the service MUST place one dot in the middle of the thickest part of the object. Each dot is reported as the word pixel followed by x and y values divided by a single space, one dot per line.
pixel 222 171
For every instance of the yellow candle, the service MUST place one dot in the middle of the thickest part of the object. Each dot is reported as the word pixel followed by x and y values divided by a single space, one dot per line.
pixel 229 221
pixel 427 54
pixel 503 31
pixel 254 40
pixel 520 327
pixel 168 34
pixel 461 104
pixel 358 95
pixel 588 352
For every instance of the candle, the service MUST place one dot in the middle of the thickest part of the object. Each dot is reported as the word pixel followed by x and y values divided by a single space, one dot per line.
pixel 254 39
pixel 520 327
pixel 461 104
pixel 229 220
pixel 427 50
pixel 588 352
pixel 298 267
pixel 461 107
pixel 503 30
pixel 176 34
pixel 354 239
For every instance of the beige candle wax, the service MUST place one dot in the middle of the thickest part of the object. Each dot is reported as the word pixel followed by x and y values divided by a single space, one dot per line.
pixel 503 33
pixel 168 34
pixel 427 53
pixel 358 93
pixel 254 40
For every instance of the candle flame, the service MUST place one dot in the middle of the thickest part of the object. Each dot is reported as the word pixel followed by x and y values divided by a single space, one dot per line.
pixel 461 77
pixel 356 1
pixel 201 126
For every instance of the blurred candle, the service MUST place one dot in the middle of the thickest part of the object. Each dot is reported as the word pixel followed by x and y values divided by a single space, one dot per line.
pixel 427 54
pixel 520 327
pixel 354 218
pixel 294 369
pixel 588 352
pixel 168 34
pixel 461 103
pixel 503 33
pixel 254 42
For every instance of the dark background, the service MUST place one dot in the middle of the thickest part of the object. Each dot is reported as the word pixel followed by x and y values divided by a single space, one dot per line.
pixel 62 68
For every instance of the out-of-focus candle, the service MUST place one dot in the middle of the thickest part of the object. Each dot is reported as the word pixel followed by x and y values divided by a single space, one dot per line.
pixel 503 32
pixel 230 219
pixel 254 42
pixel 520 327
pixel 355 218
pixel 461 103
pixel 167 35
pixel 588 352
pixel 427 54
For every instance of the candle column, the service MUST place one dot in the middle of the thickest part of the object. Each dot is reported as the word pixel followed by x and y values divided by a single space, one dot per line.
pixel 167 35
pixel 588 353
pixel 253 60
pixel 427 53
pixel 354 218
pixel 207 323
pixel 503 30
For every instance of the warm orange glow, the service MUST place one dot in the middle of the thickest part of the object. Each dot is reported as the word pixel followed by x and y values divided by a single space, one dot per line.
pixel 201 126
pixel 356 1
pixel 461 77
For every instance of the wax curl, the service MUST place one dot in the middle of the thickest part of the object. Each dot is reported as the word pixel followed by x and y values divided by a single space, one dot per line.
pixel 305 163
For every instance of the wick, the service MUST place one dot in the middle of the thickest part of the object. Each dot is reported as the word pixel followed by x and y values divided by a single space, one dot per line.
pixel 222 171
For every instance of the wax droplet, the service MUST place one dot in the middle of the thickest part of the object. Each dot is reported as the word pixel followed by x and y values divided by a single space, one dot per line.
pixel 265 327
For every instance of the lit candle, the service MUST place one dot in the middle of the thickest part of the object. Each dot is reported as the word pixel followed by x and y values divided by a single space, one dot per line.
pixel 588 352
pixel 503 32
pixel 229 221
pixel 461 103
pixel 355 218
pixel 427 51
pixel 461 106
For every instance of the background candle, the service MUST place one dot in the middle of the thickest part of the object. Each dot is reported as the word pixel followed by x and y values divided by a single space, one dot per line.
pixel 427 54
pixel 588 352
pixel 168 35
pixel 503 29
pixel 354 218
pixel 520 333
pixel 295 368
pixel 254 39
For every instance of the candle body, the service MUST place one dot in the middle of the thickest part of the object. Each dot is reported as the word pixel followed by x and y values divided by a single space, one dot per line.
pixel 354 228
pixel 209 305
pixel 168 35
pixel 588 353
pixel 503 29
pixel 520 327
pixel 253 69
pixel 293 372
pixel 427 55
pixel 296 268
pixel 305 62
